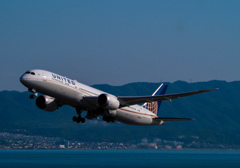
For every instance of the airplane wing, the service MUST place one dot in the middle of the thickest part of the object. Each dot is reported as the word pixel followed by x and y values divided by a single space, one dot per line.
pixel 127 101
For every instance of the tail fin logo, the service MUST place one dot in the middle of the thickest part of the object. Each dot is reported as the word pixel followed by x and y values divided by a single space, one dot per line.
pixel 154 106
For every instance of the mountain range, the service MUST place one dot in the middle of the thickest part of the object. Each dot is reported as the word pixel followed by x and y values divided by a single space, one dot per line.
pixel 216 115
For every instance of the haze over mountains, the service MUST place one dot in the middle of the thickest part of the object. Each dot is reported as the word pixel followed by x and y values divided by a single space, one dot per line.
pixel 217 115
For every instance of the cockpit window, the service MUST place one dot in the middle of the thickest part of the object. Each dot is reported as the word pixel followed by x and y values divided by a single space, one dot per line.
pixel 28 72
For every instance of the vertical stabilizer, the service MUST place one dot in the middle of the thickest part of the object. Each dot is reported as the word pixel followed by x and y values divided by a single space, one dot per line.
pixel 154 106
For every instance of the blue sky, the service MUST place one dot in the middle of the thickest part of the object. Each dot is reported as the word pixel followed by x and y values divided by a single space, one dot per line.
pixel 118 42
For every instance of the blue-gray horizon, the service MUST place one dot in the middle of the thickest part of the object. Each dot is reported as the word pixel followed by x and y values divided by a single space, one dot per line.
pixel 120 42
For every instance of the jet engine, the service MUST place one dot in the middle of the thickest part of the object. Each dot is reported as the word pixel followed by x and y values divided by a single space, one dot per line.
pixel 108 102
pixel 46 103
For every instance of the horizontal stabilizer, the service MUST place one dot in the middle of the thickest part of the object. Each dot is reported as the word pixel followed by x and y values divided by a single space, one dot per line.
pixel 172 119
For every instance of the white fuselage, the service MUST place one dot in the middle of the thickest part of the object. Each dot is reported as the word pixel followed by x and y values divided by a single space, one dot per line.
pixel 70 92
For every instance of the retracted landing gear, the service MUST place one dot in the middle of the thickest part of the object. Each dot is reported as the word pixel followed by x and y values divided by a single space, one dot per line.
pixel 34 93
pixel 78 118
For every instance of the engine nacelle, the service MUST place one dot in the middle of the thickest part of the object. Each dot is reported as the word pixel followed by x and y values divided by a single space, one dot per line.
pixel 46 103
pixel 108 102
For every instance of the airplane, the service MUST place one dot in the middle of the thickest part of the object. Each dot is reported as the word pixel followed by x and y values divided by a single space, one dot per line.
pixel 58 90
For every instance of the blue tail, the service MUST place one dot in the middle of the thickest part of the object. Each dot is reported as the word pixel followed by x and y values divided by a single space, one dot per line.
pixel 154 106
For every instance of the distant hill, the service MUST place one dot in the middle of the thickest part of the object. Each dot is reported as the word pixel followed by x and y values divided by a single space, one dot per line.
pixel 217 115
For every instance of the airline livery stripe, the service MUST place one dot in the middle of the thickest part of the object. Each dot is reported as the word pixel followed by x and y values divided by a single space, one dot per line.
pixel 138 113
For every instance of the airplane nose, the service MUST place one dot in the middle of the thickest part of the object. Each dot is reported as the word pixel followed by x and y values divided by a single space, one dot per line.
pixel 23 79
